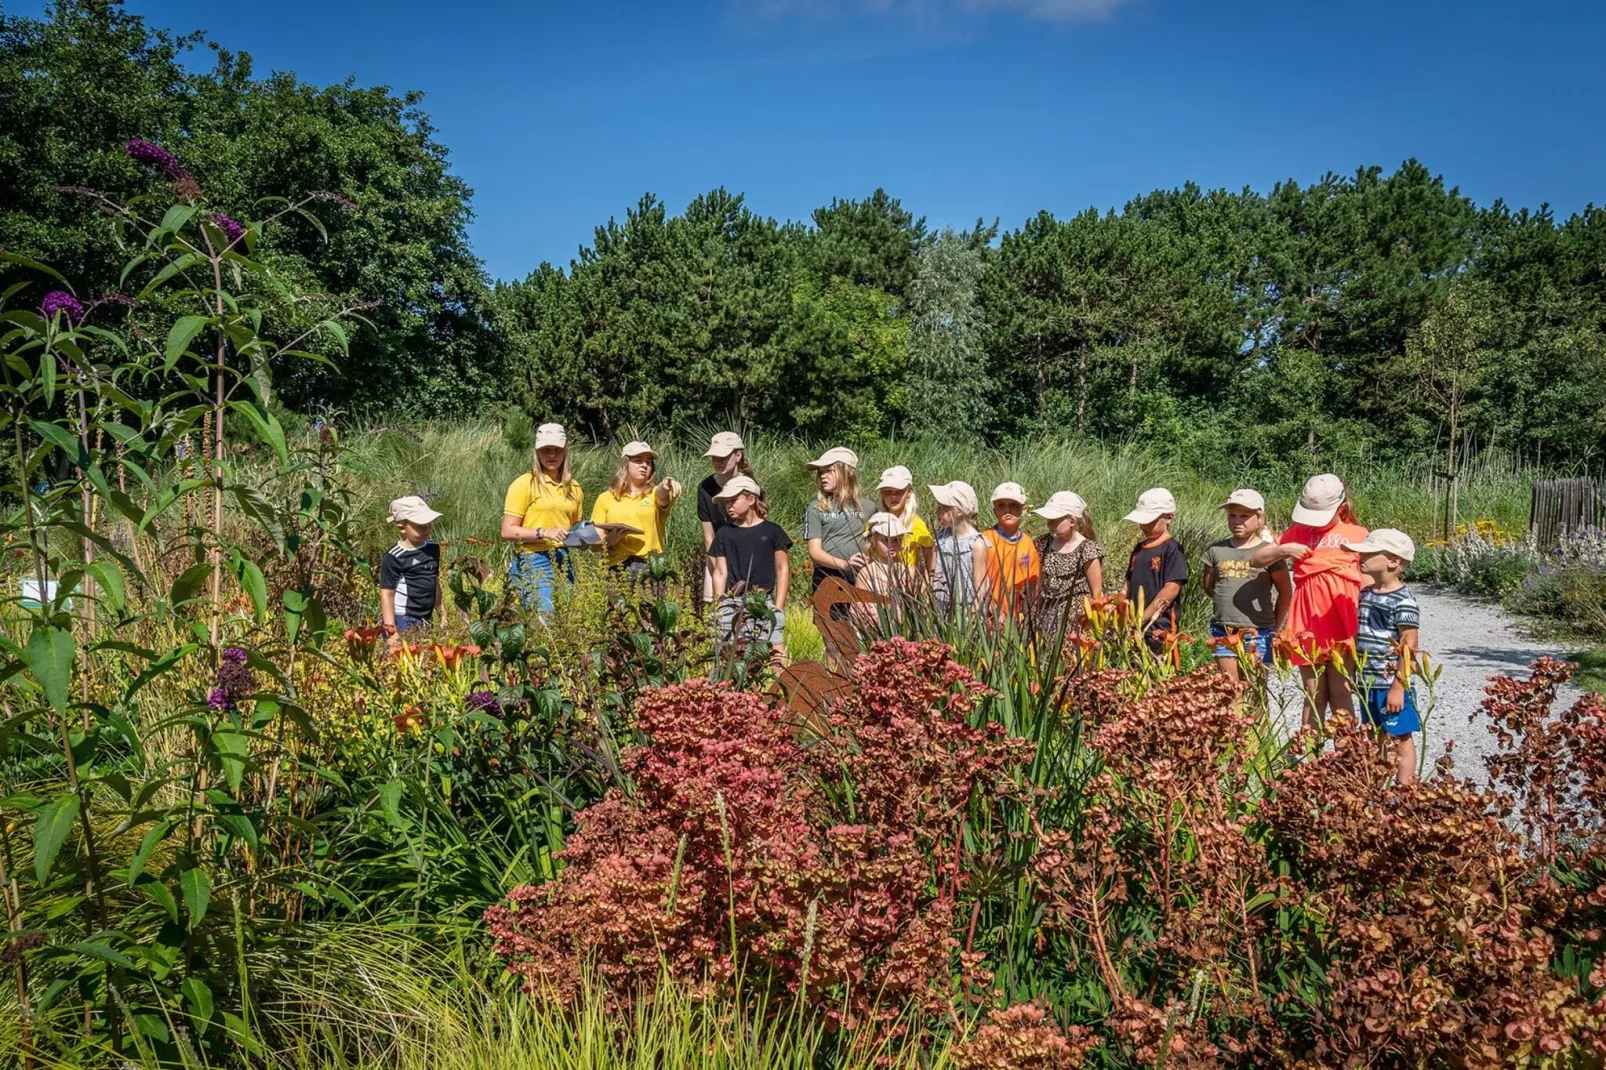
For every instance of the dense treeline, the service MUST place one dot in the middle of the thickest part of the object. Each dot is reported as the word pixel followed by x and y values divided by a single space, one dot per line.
pixel 1370 314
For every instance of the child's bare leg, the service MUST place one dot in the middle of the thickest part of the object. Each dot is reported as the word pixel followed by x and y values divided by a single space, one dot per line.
pixel 1405 747
pixel 1311 685
pixel 1228 667
pixel 779 657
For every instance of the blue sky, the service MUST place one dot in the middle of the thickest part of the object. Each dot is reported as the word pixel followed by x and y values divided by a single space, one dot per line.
pixel 560 115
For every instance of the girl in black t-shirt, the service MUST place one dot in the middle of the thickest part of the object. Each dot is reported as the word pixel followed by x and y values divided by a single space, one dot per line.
pixel 749 559
pixel 728 456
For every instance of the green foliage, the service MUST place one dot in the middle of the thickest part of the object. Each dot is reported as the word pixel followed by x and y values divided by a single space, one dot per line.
pixel 91 76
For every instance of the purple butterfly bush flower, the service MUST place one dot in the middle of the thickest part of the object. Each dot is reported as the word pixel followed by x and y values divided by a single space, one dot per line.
pixel 61 301
pixel 231 229
pixel 141 151
pixel 235 680
pixel 484 701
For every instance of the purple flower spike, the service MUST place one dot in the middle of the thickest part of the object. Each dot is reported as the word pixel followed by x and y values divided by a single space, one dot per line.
pixel 484 701
pixel 231 229
pixel 61 301
pixel 141 151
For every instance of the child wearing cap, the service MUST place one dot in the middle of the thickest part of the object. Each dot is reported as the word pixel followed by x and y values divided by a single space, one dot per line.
pixel 1245 597
pixel 887 572
pixel 896 488
pixel 410 572
pixel 632 500
pixel 749 555
pixel 540 507
pixel 1073 562
pixel 728 456
pixel 833 524
pixel 1158 567
pixel 959 554
pixel 1010 565
pixel 1388 619
pixel 1327 589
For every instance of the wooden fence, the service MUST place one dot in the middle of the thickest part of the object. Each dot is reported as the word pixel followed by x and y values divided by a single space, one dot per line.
pixel 1561 506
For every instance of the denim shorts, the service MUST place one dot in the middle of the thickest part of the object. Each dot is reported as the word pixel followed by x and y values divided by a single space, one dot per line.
pixel 406 623
pixel 1258 645
pixel 534 573
pixel 1395 724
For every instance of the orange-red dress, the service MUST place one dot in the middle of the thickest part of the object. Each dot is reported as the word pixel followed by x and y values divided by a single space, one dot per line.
pixel 1327 586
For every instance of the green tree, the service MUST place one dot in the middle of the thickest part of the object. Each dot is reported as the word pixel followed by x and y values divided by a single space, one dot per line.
pixel 948 387
pixel 89 77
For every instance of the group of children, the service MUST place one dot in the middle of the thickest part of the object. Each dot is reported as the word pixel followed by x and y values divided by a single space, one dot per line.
pixel 1326 582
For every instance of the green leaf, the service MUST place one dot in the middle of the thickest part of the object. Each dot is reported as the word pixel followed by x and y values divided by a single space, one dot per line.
pixel 254 584
pixel 240 1033
pixel 162 897
pixel 267 426
pixel 199 997
pixel 50 657
pixel 50 832
pixel 110 578
pixel 152 1026
pixel 183 332
pixel 156 835
pixel 177 216
pixel 390 802
pixel 230 745
pixel 105 954
pixel 189 583
pixel 197 888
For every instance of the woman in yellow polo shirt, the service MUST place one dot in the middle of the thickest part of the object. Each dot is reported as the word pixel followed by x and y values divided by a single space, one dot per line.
pixel 632 499
pixel 540 508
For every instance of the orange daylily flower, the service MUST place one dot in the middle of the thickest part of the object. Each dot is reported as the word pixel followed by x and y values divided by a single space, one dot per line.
pixel 411 719
pixel 452 655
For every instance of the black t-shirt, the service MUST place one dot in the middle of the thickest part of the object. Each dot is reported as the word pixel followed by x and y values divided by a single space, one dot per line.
pixel 749 554
pixel 1149 569
pixel 413 572
pixel 710 511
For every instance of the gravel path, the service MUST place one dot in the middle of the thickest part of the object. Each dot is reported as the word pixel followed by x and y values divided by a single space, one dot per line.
pixel 1473 641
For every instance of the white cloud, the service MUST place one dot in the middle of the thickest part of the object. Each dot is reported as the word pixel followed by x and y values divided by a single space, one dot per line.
pixel 1042 10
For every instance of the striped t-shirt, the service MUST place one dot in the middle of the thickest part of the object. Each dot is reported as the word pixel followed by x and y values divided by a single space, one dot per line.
pixel 1382 615
pixel 413 572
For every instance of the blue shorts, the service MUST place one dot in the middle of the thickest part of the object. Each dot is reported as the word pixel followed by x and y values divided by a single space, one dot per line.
pixel 405 623
pixel 534 573
pixel 1258 646
pixel 1395 724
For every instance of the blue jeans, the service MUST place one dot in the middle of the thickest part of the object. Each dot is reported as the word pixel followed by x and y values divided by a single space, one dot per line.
pixel 405 623
pixel 1258 646
pixel 534 575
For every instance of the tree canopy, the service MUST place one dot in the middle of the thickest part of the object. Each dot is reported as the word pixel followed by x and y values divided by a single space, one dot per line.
pixel 1271 327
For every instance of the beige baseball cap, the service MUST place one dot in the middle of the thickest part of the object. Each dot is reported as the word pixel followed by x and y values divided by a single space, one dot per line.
pixel 896 478
pixel 956 495
pixel 1387 541
pixel 887 524
pixel 1319 500
pixel 637 449
pixel 836 455
pixel 724 444
pixel 1062 504
pixel 1152 504
pixel 412 509
pixel 738 485
pixel 551 435
pixel 1009 492
pixel 1249 499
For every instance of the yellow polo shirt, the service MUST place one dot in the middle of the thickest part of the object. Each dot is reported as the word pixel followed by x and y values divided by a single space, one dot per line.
pixel 643 513
pixel 538 502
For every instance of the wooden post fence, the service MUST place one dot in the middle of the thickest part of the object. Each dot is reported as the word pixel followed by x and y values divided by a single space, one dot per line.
pixel 1563 506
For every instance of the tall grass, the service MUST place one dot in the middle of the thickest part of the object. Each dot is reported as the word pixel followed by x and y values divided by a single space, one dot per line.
pixel 378 997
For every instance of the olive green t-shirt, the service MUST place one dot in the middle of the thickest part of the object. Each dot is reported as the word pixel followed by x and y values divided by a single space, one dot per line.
pixel 841 532
pixel 1245 597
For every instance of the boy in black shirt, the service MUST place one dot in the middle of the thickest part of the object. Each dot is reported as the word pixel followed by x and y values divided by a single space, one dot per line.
pixel 749 556
pixel 1158 567
pixel 410 572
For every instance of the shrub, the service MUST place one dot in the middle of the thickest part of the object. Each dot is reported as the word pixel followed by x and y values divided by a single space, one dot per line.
pixel 835 870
